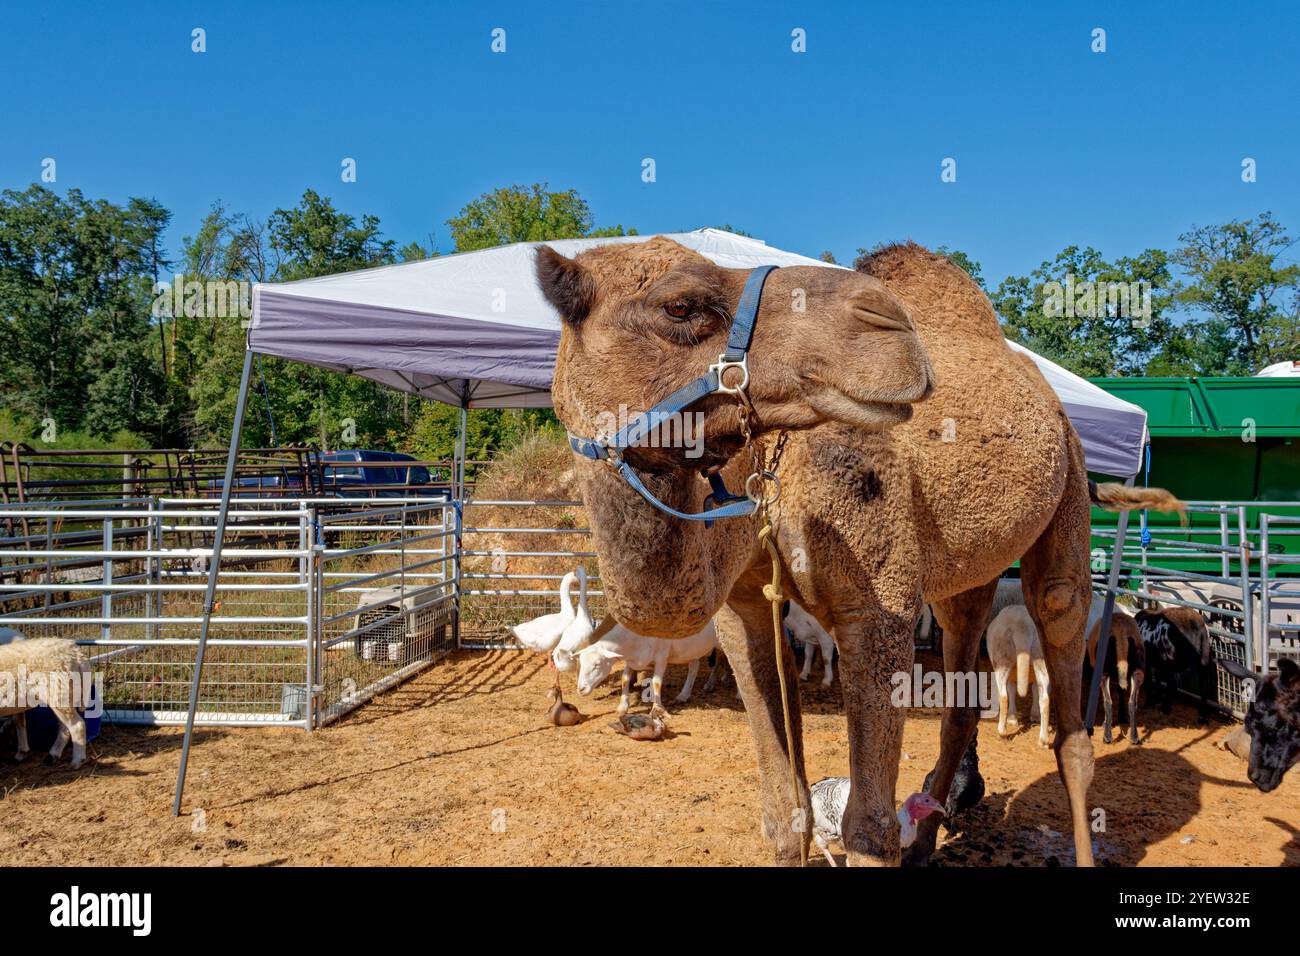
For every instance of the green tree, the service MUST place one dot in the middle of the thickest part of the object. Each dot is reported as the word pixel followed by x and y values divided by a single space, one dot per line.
pixel 1235 276
pixel 315 239
pixel 1089 315
pixel 76 282
pixel 524 214
pixel 487 430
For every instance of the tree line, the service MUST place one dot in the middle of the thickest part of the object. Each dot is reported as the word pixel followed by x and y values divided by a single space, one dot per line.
pixel 107 341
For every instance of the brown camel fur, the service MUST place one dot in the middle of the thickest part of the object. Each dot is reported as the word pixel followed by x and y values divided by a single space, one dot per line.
pixel 887 498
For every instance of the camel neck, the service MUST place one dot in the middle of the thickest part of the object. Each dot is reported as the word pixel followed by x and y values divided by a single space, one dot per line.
pixel 661 575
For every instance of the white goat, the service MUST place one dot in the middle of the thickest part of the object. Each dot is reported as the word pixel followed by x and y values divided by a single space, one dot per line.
pixel 638 652
pixel 1013 642
pixel 805 629
pixel 56 666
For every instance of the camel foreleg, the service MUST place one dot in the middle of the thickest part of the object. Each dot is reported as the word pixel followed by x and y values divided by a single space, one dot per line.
pixel 745 631
pixel 962 618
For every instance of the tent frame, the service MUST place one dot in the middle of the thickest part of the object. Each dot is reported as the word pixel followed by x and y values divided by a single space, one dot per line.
pixel 458 502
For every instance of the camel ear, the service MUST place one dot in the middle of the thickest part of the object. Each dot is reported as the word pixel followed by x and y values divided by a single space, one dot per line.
pixel 566 284
pixel 1288 673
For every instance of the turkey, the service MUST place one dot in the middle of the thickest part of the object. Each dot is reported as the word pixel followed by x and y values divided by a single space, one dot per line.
pixel 829 797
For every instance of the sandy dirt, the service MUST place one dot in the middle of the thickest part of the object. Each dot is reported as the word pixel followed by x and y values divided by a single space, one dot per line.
pixel 458 767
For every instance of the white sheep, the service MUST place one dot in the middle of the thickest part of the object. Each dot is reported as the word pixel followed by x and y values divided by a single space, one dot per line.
pixel 805 629
pixel 638 652
pixel 56 665
pixel 1013 642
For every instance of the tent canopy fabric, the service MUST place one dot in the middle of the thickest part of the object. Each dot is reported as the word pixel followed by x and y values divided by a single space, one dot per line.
pixel 474 330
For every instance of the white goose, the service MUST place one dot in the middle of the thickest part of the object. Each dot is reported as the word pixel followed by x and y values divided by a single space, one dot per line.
pixel 578 633
pixel 541 634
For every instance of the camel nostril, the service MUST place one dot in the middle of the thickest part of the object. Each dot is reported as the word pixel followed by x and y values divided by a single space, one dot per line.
pixel 880 320
pixel 880 312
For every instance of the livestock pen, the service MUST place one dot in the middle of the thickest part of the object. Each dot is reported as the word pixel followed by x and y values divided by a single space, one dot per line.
pixel 322 603
pixel 325 605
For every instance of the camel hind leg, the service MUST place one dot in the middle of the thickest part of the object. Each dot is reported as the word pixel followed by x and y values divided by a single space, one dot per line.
pixel 1057 586
pixel 963 618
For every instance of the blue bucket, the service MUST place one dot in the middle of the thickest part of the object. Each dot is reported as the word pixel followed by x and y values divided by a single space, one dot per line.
pixel 43 726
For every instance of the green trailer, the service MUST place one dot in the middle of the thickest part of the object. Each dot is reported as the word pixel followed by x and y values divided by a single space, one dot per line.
pixel 1223 440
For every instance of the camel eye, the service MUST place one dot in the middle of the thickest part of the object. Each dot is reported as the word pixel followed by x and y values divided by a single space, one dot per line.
pixel 678 309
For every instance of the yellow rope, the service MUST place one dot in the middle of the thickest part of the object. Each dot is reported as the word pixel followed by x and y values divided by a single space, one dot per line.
pixel 773 593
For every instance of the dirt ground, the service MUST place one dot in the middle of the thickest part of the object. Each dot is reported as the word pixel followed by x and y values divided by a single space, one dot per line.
pixel 458 767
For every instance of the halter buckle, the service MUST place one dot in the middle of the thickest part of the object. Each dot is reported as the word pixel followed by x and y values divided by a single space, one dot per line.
pixel 720 369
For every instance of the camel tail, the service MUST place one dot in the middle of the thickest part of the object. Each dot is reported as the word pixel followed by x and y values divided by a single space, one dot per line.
pixel 1022 674
pixel 1113 496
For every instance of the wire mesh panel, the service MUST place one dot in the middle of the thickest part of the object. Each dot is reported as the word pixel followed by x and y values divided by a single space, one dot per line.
pixel 1222 573
pixel 126 579
pixel 323 603
pixel 386 590
pixel 514 555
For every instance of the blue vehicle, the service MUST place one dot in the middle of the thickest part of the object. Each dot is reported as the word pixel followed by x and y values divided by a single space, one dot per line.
pixel 351 473
pixel 363 473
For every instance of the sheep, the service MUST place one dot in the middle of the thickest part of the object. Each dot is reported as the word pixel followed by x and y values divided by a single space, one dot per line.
pixel 1125 664
pixel 1013 641
pixel 806 629
pixel 57 664
pixel 1009 592
pixel 638 652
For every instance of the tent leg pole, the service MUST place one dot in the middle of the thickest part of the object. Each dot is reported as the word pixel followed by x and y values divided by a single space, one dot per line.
pixel 214 569
pixel 1108 611
pixel 460 453
pixel 458 470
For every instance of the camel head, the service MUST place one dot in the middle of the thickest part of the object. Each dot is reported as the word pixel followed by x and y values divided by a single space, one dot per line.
pixel 644 319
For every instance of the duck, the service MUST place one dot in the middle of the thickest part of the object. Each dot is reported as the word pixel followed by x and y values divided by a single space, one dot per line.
pixel 649 726
pixel 559 713
pixel 579 631
pixel 541 634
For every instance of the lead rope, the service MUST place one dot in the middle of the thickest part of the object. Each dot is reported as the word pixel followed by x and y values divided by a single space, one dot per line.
pixel 776 598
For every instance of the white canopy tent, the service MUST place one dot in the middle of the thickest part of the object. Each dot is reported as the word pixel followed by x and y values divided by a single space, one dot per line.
pixel 473 330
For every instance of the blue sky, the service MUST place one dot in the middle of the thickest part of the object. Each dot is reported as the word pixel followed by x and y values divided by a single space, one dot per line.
pixel 835 148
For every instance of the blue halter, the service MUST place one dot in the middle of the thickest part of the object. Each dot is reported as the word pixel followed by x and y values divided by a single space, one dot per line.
pixel 721 503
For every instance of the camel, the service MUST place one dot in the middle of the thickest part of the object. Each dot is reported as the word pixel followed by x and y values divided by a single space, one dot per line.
pixel 922 458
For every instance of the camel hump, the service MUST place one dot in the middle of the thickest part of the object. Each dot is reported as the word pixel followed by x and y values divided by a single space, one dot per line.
pixel 1113 496
pixel 942 296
